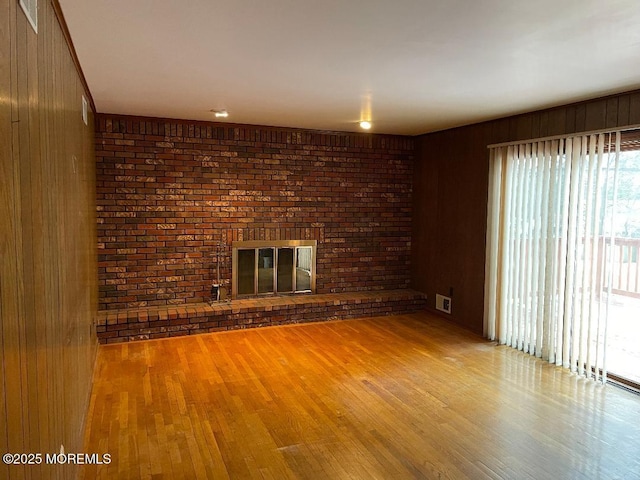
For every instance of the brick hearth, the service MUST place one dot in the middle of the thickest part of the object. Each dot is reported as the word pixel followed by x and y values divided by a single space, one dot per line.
pixel 169 320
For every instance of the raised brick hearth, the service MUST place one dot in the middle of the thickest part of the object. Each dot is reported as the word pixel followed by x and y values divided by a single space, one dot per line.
pixel 169 321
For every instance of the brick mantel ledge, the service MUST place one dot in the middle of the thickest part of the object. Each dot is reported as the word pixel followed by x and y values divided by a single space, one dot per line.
pixel 186 319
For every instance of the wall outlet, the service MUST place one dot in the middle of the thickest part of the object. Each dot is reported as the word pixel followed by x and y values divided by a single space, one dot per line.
pixel 443 303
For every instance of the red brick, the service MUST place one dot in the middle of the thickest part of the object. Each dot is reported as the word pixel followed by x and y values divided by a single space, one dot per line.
pixel 186 185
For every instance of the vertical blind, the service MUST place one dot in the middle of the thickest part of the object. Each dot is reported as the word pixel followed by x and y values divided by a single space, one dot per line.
pixel 550 214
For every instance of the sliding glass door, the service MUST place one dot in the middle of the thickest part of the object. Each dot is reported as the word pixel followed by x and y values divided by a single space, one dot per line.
pixel 623 285
pixel 558 258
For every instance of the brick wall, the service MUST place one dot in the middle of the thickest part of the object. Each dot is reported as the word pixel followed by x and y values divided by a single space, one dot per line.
pixel 169 191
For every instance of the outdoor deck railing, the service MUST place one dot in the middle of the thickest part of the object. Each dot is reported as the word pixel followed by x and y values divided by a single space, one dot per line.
pixel 626 271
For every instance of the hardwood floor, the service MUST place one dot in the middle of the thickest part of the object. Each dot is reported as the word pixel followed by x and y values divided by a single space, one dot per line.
pixel 389 397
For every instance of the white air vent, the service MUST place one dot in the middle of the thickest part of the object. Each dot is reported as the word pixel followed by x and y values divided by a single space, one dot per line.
pixel 30 8
pixel 85 116
pixel 443 303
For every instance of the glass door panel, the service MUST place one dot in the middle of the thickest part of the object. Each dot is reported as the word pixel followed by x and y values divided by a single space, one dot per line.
pixel 246 271
pixel 623 324
pixel 285 269
pixel 265 270
pixel 303 269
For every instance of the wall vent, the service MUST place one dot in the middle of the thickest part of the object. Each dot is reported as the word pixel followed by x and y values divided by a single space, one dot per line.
pixel 30 9
pixel 443 303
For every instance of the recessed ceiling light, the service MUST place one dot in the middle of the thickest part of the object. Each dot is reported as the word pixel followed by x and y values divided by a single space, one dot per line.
pixel 220 113
pixel 365 125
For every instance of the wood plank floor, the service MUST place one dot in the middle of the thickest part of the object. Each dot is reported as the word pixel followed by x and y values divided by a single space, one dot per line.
pixel 390 397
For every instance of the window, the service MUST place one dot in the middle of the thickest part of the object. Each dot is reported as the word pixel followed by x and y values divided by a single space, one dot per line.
pixel 273 267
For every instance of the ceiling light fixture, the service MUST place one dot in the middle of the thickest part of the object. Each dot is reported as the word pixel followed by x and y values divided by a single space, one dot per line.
pixel 220 113
pixel 364 124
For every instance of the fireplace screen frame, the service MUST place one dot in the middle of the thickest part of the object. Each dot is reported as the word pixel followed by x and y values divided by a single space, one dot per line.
pixel 260 252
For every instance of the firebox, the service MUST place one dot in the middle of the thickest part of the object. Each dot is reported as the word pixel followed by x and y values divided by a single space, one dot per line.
pixel 270 267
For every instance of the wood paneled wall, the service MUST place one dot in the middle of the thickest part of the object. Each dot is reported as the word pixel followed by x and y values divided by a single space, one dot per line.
pixel 48 268
pixel 450 194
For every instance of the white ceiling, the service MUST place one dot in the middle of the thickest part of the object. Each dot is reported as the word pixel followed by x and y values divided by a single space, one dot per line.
pixel 417 65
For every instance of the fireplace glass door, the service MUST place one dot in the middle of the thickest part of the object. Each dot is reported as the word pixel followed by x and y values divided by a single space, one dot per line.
pixel 282 267
pixel 246 269
pixel 285 269
pixel 265 270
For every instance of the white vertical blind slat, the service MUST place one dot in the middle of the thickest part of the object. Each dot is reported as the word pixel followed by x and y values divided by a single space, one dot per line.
pixel 553 260
pixel 520 278
pixel 589 241
pixel 596 262
pixel 564 180
pixel 585 289
pixel 527 245
pixel 571 220
pixel 546 339
pixel 508 265
pixel 541 240
pixel 514 266
pixel 576 319
pixel 493 239
pixel 616 155
pixel 540 247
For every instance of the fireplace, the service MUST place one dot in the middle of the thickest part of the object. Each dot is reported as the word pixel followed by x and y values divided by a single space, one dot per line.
pixel 271 267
